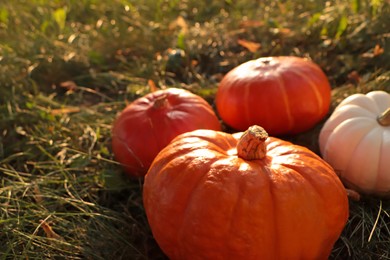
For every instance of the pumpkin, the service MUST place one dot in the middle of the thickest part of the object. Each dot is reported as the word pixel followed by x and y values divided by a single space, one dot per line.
pixel 355 140
pixel 285 95
pixel 149 123
pixel 214 195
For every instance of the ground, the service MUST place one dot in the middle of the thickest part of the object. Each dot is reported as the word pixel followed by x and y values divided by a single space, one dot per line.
pixel 67 68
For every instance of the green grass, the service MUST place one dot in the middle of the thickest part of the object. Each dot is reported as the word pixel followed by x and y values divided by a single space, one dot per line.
pixel 68 67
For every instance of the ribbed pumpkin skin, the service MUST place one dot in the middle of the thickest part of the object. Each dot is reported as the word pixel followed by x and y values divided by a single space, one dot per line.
pixel 146 126
pixel 202 201
pixel 285 95
pixel 357 145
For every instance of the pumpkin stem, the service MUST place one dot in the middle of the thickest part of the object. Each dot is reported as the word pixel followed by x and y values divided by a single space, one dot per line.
pixel 251 145
pixel 160 102
pixel 353 195
pixel 384 119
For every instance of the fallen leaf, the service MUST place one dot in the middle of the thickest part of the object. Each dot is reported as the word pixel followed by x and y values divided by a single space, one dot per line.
pixel 251 46
pixel 378 50
pixel 69 85
pixel 64 110
pixel 49 230
pixel 152 85
pixel 285 31
pixel 354 75
pixel 37 194
pixel 251 23
pixel 179 22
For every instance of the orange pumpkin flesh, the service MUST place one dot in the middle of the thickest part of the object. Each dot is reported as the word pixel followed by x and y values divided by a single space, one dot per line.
pixel 149 123
pixel 285 95
pixel 212 195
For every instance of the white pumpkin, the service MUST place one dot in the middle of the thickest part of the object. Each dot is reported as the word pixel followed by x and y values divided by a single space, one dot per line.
pixel 355 141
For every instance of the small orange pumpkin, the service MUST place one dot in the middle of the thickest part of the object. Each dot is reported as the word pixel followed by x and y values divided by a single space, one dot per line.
pixel 285 95
pixel 213 195
pixel 149 123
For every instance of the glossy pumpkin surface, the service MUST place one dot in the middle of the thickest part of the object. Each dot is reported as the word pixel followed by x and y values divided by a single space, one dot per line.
pixel 213 195
pixel 285 95
pixel 355 140
pixel 149 123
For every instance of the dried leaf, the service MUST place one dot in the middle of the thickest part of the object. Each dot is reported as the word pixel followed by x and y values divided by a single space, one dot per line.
pixel 61 155
pixel 285 31
pixel 179 22
pixel 251 46
pixel 251 23
pixel 37 194
pixel 378 50
pixel 49 231
pixel 354 75
pixel 65 110
pixel 69 85
pixel 152 86
pixel 368 55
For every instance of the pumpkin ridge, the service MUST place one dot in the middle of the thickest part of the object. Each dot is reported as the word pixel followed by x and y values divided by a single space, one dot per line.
pixel 179 238
pixel 343 128
pixel 215 144
pixel 310 182
pixel 380 169
pixel 243 185
pixel 232 216
pixel 245 96
pixel 282 86
pixel 378 180
pixel 351 162
pixel 154 134
pixel 279 149
pixel 312 85
pixel 274 210
pixel 188 106
pixel 132 153
pixel 274 171
pixel 181 234
pixel 275 206
pixel 375 102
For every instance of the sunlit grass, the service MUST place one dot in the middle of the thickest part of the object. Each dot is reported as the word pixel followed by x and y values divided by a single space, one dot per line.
pixel 68 67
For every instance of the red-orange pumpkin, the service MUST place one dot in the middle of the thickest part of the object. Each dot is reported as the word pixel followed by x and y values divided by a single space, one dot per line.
pixel 212 195
pixel 285 95
pixel 149 123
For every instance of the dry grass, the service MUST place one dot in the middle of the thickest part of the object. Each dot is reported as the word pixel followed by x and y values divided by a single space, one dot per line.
pixel 68 67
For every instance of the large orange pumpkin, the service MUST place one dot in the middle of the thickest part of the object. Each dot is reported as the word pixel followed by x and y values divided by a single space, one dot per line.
pixel 149 123
pixel 285 95
pixel 213 195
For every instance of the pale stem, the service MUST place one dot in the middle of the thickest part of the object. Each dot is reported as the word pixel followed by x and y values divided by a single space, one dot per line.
pixel 251 145
pixel 384 118
pixel 160 102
